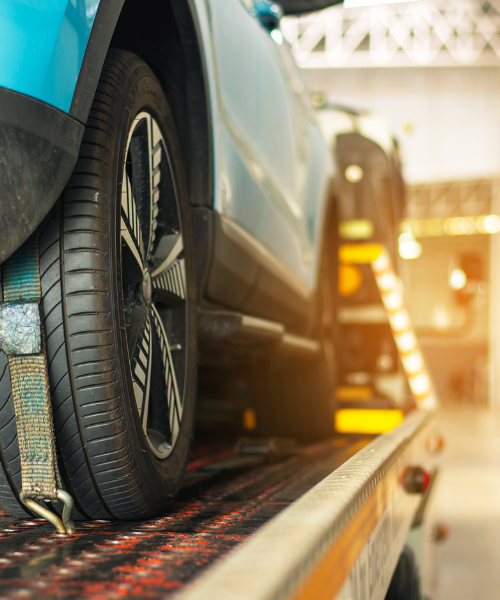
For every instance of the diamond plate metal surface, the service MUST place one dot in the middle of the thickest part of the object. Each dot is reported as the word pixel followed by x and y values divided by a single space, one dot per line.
pixel 225 499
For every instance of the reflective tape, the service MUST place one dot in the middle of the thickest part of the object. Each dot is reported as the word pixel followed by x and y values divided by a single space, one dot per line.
pixel 391 292
pixel 390 289
pixel 372 421
pixel 359 253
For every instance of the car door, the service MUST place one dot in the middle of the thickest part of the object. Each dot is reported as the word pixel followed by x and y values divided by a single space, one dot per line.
pixel 237 47
pixel 297 161
pixel 270 176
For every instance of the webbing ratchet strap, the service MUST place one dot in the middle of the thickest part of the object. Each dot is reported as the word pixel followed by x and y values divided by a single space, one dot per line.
pixel 22 339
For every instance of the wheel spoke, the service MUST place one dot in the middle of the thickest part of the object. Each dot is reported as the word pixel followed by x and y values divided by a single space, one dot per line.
pixel 141 369
pixel 130 228
pixel 172 280
pixel 155 156
pixel 174 404
pixel 175 247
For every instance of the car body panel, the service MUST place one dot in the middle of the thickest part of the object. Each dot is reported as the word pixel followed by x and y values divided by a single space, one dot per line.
pixel 266 142
pixel 42 44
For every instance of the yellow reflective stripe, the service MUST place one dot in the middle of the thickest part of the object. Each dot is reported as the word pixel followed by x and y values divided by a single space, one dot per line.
pixel 359 253
pixel 327 578
pixel 367 420
pixel 351 392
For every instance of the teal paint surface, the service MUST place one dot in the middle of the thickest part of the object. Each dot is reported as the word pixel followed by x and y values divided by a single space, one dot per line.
pixel 42 43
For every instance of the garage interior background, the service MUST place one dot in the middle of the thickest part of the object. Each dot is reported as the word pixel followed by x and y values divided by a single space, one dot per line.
pixel 432 70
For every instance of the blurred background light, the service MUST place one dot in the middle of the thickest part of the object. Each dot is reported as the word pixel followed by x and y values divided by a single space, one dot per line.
pixel 435 227
pixel 458 279
pixel 492 224
pixel 277 36
pixel 441 318
pixel 350 280
pixel 354 173
pixel 385 362
pixel 409 248
pixel 356 229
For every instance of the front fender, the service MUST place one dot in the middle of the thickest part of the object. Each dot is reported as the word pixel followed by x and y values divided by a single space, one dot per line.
pixel 42 45
pixel 51 56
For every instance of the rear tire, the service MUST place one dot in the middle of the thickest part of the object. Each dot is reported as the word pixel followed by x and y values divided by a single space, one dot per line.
pixel 119 302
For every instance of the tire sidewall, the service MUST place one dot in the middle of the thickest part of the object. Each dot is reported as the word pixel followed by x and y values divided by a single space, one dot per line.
pixel 142 93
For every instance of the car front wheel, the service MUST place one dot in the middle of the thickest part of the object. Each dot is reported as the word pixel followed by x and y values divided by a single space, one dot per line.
pixel 118 285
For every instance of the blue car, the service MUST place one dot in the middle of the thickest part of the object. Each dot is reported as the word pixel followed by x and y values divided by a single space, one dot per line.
pixel 166 158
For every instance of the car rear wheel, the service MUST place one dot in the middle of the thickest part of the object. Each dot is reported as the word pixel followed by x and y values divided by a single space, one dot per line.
pixel 118 285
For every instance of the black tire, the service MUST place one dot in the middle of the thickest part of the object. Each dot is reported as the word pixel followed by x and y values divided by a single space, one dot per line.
pixel 405 582
pixel 295 396
pixel 119 302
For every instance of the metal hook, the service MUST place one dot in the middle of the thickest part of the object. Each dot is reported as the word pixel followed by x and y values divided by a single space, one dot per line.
pixel 67 515
pixel 65 525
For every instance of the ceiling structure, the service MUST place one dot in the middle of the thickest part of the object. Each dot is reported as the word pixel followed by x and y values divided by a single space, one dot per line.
pixel 426 33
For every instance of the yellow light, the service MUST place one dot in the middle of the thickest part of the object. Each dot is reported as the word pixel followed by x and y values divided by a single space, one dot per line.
pixel 486 224
pixel 249 419
pixel 480 224
pixel 354 173
pixel 456 226
pixel 350 280
pixel 407 127
pixel 448 229
pixel 400 322
pixel 387 282
pixel 408 246
pixel 356 229
pixel 393 301
pixel 406 342
pixel 467 225
pixel 492 224
pixel 409 249
pixel 359 253
pixel 458 279
pixel 413 363
pixel 367 420
pixel 434 227
pixel 420 384
pixel 347 392
pixel 385 362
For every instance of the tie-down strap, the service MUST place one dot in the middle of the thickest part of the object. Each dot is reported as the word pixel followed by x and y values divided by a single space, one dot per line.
pixel 22 339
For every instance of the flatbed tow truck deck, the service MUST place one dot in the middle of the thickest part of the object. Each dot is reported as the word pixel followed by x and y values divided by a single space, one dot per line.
pixel 225 500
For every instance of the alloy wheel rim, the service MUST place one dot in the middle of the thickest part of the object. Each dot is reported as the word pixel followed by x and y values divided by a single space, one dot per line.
pixel 154 284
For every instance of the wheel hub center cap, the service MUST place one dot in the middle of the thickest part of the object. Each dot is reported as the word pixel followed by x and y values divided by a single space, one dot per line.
pixel 147 289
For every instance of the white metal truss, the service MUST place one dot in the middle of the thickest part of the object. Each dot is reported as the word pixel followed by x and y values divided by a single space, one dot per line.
pixel 452 199
pixel 424 33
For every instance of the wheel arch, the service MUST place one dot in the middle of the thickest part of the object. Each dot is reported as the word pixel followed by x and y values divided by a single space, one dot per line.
pixel 165 34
